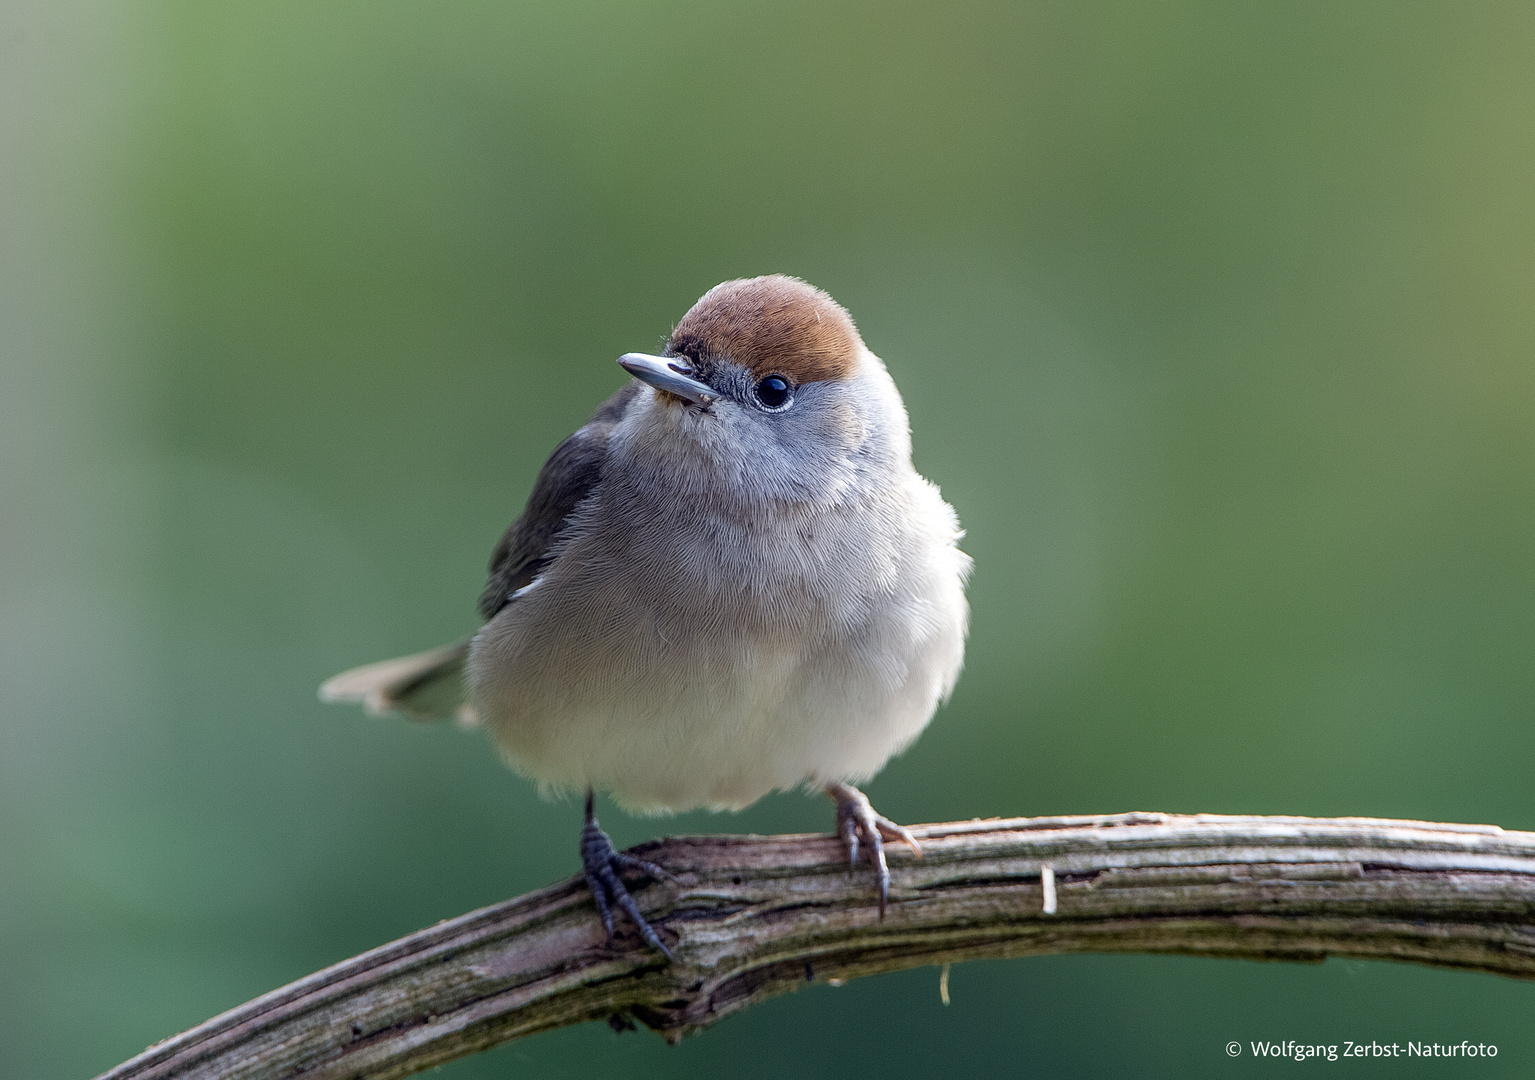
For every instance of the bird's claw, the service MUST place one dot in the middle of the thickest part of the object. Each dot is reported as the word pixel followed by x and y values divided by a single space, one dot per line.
pixel 603 867
pixel 863 829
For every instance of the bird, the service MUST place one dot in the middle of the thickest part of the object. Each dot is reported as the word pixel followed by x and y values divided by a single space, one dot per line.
pixel 730 581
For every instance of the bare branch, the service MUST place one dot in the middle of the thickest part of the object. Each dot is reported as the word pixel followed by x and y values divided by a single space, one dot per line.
pixel 757 916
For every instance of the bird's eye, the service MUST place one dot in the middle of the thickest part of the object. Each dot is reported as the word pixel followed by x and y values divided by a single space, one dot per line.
pixel 773 392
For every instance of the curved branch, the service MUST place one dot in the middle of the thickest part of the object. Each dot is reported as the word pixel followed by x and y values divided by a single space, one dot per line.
pixel 757 916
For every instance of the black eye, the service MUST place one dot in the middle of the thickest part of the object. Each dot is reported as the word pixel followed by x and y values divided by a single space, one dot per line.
pixel 773 391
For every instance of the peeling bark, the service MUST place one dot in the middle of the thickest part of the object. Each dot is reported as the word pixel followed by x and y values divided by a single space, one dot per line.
pixel 757 916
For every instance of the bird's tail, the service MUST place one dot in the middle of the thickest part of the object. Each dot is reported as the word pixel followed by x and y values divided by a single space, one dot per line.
pixel 427 686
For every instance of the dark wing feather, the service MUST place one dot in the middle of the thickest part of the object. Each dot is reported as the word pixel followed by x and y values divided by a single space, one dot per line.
pixel 567 478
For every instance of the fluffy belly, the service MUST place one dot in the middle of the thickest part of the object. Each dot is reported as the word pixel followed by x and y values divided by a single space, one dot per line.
pixel 670 716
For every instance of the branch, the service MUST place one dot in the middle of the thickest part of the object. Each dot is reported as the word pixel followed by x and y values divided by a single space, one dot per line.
pixel 757 916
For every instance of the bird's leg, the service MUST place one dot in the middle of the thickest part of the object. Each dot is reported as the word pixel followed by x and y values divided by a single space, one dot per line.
pixel 860 826
pixel 603 865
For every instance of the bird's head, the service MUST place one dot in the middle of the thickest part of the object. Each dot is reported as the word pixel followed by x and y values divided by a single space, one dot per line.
pixel 765 387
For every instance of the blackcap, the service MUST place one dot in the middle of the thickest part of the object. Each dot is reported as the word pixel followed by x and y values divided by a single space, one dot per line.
pixel 731 581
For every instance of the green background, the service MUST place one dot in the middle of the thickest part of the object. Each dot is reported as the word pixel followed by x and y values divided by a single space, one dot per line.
pixel 1215 322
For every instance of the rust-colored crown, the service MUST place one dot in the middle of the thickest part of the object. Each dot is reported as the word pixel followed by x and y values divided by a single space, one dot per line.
pixel 773 325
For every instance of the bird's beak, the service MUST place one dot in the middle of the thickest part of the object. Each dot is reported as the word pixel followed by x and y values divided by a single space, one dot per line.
pixel 668 373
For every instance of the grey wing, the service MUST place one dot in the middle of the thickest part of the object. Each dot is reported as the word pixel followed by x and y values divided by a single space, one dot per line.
pixel 430 685
pixel 566 479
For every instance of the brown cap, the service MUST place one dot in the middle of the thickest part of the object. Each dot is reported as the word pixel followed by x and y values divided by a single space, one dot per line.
pixel 773 325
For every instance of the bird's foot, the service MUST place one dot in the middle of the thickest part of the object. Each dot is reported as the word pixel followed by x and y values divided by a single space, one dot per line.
pixel 603 867
pixel 861 828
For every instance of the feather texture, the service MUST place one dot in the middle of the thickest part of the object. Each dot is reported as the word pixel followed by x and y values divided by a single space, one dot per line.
pixel 427 686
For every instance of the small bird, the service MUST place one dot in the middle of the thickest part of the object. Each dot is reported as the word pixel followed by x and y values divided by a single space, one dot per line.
pixel 730 581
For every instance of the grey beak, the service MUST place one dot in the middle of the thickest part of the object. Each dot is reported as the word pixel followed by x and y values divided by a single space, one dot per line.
pixel 668 373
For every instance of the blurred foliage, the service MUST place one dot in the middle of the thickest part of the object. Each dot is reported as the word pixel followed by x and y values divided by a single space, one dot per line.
pixel 1214 322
